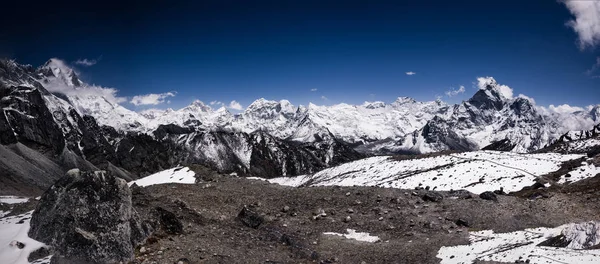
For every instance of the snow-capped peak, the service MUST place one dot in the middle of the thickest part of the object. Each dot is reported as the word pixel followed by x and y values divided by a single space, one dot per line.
pixel 57 68
pixel 404 100
pixel 373 105
pixel 198 106
pixel 490 85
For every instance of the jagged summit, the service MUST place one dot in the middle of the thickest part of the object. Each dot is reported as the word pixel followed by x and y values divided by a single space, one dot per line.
pixel 57 68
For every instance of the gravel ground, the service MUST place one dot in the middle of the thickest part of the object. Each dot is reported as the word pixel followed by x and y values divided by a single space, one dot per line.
pixel 411 230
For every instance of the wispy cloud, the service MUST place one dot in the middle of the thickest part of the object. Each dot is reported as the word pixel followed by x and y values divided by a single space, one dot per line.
pixel 313 89
pixel 586 23
pixel 324 98
pixel 594 69
pixel 235 105
pixel 410 73
pixel 216 103
pixel 86 62
pixel 455 92
pixel 151 99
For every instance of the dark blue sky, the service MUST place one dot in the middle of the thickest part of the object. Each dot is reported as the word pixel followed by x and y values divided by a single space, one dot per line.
pixel 350 51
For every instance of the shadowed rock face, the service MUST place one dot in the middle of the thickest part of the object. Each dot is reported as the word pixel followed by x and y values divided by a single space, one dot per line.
pixel 87 217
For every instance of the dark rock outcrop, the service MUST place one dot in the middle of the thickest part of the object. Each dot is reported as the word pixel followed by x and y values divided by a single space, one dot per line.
pixel 491 196
pixel 87 217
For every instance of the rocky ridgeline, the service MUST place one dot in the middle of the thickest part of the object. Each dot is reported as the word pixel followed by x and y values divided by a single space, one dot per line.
pixel 87 217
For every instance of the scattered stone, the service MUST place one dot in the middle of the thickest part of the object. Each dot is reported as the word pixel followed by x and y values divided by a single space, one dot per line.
pixel 432 197
pixel 250 218
pixel 319 213
pixel 488 196
pixel 286 209
pixel 350 210
pixel 347 219
pixel 143 250
pixel 17 244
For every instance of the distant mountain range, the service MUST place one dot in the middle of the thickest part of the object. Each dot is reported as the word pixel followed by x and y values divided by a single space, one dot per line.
pixel 51 121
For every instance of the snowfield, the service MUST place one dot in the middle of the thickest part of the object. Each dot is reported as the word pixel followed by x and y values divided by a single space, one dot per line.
pixel 175 175
pixel 523 245
pixel 476 172
pixel 13 229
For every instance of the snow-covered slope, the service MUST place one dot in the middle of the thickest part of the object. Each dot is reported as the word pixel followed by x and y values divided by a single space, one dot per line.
pixel 525 245
pixel 477 172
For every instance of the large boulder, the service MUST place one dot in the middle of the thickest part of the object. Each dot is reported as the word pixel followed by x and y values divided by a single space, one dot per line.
pixel 87 217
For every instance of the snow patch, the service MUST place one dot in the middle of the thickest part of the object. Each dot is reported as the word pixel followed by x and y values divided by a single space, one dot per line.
pixel 14 229
pixel 13 199
pixel 582 172
pixel 175 175
pixel 358 236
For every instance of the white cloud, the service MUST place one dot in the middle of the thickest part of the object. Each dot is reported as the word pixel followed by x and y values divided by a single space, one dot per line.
pixel 454 92
pixel 235 105
pixel 587 21
pixel 151 99
pixel 86 91
pixel 86 62
pixel 484 82
pixel 216 103
pixel 565 109
pixel 313 89
pixel 324 98
pixel 410 73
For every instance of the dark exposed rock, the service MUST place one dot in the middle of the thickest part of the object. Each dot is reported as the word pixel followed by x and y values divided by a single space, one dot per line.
pixel 488 196
pixel 462 222
pixel 557 241
pixel 169 222
pixel 501 145
pixel 432 197
pixel 87 217
pixel 38 254
pixel 250 217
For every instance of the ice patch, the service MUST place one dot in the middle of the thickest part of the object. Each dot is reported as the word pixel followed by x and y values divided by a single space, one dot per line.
pixel 352 234
pixel 175 175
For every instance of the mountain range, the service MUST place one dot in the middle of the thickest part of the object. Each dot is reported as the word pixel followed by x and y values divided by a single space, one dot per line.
pixel 52 121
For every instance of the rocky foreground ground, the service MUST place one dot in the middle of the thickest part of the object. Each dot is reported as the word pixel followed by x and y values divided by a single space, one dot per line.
pixel 412 224
pixel 229 219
